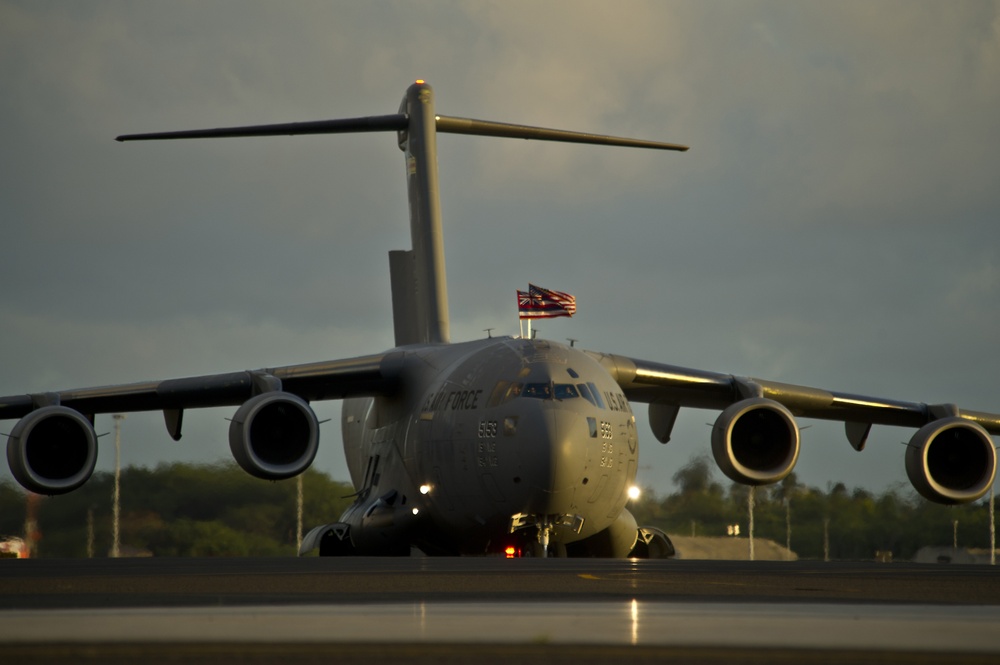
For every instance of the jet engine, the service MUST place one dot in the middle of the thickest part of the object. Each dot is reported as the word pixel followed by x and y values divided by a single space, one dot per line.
pixel 274 435
pixel 755 441
pixel 52 450
pixel 951 460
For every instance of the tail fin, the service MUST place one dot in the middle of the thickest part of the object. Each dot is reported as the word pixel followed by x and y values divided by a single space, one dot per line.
pixel 420 296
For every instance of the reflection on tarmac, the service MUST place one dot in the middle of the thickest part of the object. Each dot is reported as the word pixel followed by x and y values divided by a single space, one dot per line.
pixel 423 610
pixel 949 629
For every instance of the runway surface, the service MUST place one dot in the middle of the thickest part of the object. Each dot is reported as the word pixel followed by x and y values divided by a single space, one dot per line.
pixel 494 610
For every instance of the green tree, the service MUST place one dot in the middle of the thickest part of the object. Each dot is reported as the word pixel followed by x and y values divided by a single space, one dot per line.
pixel 700 506
pixel 181 510
pixel 855 522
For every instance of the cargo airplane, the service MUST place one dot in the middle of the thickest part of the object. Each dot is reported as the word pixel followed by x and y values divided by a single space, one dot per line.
pixel 479 446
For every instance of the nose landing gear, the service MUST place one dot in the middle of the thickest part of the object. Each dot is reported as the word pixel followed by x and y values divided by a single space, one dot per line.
pixel 545 525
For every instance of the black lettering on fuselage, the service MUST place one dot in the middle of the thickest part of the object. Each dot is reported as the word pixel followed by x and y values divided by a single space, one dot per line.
pixel 453 400
pixel 617 402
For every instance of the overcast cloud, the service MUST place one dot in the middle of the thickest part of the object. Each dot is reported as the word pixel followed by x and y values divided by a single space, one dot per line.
pixel 835 223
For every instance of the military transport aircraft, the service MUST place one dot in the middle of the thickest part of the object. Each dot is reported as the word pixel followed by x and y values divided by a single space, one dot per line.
pixel 475 447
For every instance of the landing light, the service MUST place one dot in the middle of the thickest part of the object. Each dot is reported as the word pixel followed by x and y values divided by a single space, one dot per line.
pixel 416 511
pixel 425 489
pixel 634 492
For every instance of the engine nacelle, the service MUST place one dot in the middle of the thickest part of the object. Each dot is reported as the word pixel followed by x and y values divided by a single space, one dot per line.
pixel 52 450
pixel 755 441
pixel 951 460
pixel 274 435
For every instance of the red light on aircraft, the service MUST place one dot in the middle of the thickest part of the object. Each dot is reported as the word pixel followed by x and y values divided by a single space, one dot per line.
pixel 510 551
pixel 419 81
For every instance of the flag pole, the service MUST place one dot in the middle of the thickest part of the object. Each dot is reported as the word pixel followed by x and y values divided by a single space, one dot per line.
pixel 520 321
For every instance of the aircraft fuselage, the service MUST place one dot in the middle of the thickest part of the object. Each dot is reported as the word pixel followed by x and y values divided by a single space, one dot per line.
pixel 486 438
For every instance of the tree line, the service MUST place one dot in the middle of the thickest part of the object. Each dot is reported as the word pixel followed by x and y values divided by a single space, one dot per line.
pixel 218 510
pixel 177 510
pixel 837 522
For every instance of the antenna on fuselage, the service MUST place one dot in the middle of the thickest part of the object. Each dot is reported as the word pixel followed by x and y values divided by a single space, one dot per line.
pixel 420 297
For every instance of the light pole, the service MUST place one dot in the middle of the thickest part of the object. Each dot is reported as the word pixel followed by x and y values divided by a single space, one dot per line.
pixel 787 488
pixel 826 539
pixel 788 526
pixel 90 532
pixel 993 533
pixel 116 497
pixel 298 512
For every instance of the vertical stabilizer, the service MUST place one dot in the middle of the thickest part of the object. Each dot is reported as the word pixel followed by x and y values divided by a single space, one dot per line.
pixel 419 143
pixel 419 292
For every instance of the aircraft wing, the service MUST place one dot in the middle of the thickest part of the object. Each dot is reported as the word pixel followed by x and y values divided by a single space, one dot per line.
pixel 274 434
pixel 650 382
pixel 755 440
pixel 333 379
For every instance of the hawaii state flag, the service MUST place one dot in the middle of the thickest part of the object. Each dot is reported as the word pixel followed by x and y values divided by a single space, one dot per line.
pixel 539 303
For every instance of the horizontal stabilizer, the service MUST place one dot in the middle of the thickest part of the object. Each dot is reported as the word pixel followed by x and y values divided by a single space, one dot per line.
pixel 373 123
pixel 400 122
pixel 451 125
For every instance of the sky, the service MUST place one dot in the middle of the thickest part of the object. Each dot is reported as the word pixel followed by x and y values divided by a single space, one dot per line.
pixel 835 224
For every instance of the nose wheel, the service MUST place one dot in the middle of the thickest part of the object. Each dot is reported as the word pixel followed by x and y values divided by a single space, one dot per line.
pixel 545 525
pixel 544 534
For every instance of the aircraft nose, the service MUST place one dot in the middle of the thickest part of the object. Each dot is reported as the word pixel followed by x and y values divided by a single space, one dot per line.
pixel 553 458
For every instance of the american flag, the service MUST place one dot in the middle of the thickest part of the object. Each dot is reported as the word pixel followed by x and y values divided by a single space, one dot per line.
pixel 539 303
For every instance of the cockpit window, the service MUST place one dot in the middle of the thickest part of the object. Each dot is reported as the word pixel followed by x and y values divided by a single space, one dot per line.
pixel 566 391
pixel 550 391
pixel 505 391
pixel 513 391
pixel 499 391
pixel 585 393
pixel 596 394
pixel 537 390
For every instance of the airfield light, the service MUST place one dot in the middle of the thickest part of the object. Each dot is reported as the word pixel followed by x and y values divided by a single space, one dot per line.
pixel 425 489
pixel 634 492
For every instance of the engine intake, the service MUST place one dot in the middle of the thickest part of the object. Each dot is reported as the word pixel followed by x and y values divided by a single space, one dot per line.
pixel 755 441
pixel 274 435
pixel 951 460
pixel 52 450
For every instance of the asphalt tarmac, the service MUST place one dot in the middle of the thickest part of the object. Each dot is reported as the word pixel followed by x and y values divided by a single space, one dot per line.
pixel 417 610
